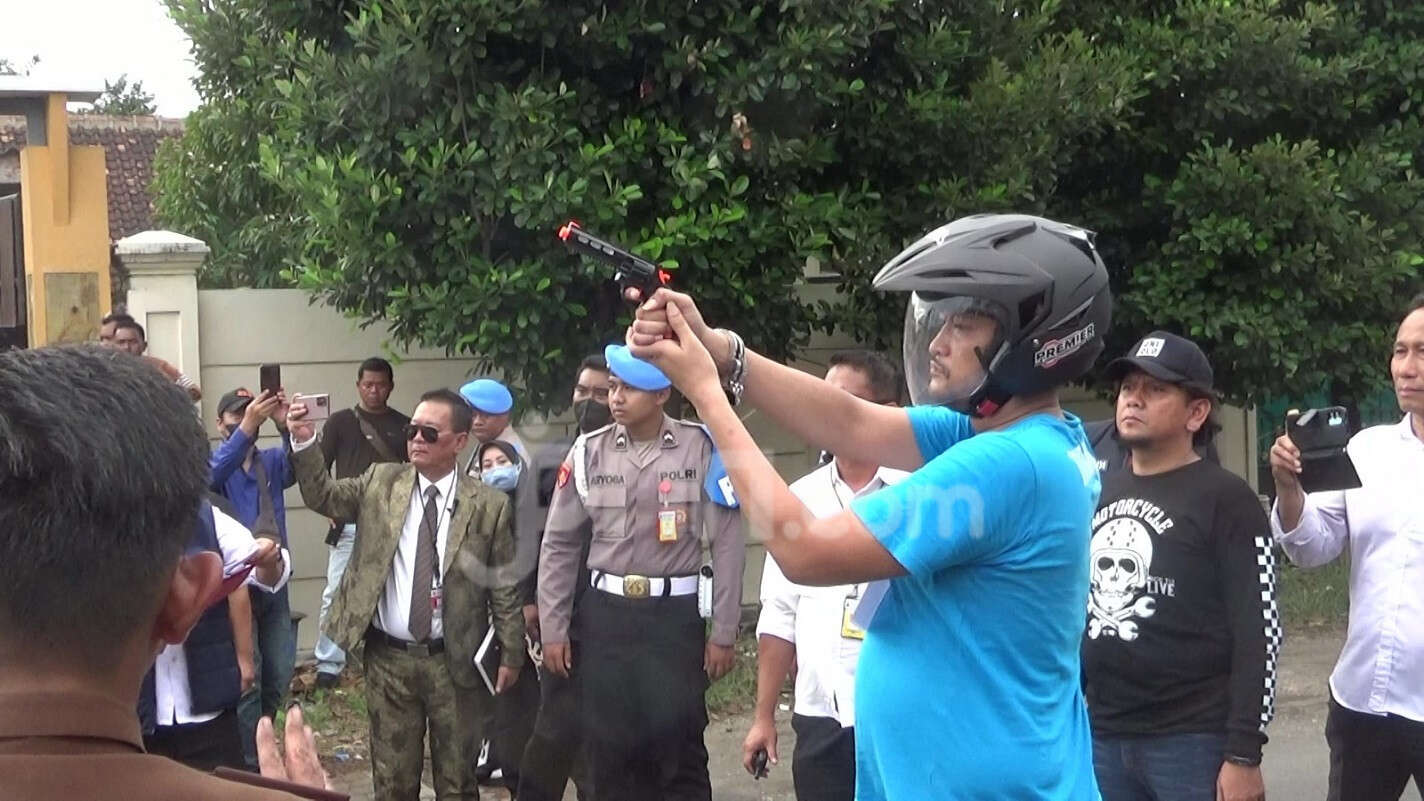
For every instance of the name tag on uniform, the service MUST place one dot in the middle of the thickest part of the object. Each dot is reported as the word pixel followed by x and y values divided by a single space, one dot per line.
pixel 849 630
pixel 667 525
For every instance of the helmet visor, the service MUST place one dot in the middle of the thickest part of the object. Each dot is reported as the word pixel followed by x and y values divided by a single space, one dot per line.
pixel 950 343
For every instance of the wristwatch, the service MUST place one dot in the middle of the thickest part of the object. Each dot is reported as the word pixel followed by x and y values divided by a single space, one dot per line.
pixel 1237 759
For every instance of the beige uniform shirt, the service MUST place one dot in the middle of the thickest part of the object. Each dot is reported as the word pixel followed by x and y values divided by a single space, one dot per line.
pixel 608 482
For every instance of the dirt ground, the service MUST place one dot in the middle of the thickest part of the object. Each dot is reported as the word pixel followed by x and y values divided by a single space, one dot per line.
pixel 1296 759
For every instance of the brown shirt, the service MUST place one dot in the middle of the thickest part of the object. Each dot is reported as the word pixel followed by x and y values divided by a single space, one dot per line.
pixel 620 487
pixel 76 747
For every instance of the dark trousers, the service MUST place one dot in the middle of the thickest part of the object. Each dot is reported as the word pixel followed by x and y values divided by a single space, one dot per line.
pixel 823 764
pixel 201 746
pixel 276 642
pixel 643 689
pixel 1158 767
pixel 555 749
pixel 1372 757
pixel 513 724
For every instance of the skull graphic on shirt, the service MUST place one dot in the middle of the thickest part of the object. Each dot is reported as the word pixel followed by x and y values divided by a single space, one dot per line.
pixel 1121 553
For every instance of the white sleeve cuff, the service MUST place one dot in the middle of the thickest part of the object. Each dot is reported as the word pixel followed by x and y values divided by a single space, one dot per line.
pixel 298 447
pixel 1308 523
pixel 281 581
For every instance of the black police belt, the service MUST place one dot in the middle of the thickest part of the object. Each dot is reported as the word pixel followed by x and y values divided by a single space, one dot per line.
pixel 643 586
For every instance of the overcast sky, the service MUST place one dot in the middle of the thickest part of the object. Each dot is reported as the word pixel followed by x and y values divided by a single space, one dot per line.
pixel 83 42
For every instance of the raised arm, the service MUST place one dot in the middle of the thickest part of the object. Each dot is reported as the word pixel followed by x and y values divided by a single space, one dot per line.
pixel 327 496
pixel 818 413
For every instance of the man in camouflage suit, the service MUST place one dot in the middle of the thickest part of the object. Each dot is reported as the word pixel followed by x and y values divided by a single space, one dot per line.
pixel 431 565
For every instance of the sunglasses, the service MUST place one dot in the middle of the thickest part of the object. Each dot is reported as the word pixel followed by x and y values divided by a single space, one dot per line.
pixel 428 433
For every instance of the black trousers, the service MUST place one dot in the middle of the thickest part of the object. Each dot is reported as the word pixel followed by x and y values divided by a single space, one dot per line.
pixel 643 688
pixel 512 724
pixel 1372 757
pixel 555 750
pixel 823 764
pixel 202 746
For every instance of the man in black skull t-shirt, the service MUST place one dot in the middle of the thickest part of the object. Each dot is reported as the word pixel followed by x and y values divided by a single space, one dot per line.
pixel 1180 650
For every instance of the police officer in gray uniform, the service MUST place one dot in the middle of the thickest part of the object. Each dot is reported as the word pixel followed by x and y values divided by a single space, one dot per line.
pixel 637 645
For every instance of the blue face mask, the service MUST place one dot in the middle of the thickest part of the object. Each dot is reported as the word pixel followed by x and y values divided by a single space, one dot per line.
pixel 503 478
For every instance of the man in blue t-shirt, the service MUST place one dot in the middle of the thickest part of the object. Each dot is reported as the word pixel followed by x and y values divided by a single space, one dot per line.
pixel 968 685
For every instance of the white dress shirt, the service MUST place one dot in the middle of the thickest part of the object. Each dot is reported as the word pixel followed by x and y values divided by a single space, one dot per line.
pixel 1381 668
pixel 810 617
pixel 393 611
pixel 170 670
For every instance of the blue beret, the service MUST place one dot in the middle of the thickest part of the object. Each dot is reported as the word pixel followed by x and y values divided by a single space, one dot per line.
pixel 487 395
pixel 633 371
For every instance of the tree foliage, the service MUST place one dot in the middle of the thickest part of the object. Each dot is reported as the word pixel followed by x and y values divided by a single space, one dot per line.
pixel 121 98
pixel 1250 166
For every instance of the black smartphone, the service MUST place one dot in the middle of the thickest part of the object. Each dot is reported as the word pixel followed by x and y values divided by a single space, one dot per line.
pixel 270 378
pixel 1321 435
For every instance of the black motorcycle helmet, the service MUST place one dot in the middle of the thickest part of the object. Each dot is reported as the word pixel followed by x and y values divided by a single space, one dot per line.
pixel 1041 281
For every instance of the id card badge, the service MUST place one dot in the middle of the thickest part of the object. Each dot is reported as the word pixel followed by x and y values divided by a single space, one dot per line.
pixel 667 525
pixel 437 596
pixel 849 630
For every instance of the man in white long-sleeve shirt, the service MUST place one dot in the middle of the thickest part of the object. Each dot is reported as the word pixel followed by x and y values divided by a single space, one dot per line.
pixel 1375 726
pixel 188 706
pixel 810 626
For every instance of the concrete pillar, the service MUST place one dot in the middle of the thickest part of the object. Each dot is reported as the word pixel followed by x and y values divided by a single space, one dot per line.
pixel 64 195
pixel 163 293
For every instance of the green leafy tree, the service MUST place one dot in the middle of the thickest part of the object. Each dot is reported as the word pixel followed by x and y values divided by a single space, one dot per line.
pixel 1266 201
pixel 416 156
pixel 121 98
pixel 1249 166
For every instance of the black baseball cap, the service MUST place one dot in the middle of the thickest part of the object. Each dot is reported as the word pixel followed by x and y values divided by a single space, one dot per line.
pixel 1167 357
pixel 235 401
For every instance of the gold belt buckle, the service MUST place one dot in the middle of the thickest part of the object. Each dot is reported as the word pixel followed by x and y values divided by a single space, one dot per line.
pixel 636 586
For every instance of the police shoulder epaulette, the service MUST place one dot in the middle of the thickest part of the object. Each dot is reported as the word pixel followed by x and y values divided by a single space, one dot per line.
pixel 692 424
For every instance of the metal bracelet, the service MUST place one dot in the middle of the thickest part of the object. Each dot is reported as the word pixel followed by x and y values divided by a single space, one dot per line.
pixel 735 383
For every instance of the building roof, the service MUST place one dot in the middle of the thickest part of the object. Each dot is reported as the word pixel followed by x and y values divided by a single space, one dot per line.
pixel 27 87
pixel 129 146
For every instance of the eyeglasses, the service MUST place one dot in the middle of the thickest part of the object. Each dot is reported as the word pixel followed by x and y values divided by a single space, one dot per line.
pixel 428 433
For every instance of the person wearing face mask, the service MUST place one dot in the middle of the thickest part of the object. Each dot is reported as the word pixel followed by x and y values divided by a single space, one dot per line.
pixel 514 710
pixel 555 751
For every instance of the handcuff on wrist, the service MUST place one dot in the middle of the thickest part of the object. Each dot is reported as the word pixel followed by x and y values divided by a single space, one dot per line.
pixel 735 382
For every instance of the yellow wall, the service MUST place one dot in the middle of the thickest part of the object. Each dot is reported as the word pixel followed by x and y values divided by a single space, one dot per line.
pixel 66 227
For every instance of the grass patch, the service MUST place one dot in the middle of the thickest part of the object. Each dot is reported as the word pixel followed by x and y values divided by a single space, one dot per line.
pixel 736 691
pixel 1316 597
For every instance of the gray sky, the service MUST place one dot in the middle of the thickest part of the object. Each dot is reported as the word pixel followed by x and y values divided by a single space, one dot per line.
pixel 83 42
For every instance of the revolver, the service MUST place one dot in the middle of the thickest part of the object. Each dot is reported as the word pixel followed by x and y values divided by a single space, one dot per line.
pixel 631 272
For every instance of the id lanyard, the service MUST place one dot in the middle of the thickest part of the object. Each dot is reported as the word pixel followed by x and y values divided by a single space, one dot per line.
pixel 855 589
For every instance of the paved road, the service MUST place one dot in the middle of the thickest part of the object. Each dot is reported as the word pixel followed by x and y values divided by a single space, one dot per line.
pixel 1296 760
